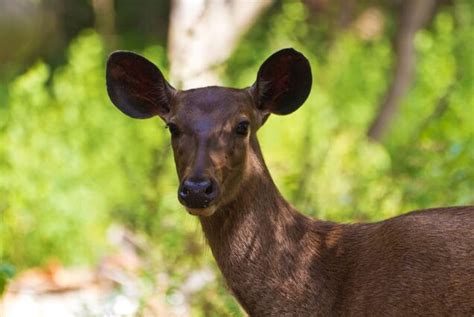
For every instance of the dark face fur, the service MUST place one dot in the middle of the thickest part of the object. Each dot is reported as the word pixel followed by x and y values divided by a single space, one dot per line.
pixel 213 129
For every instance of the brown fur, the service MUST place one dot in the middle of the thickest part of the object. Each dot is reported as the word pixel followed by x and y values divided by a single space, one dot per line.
pixel 281 263
pixel 275 260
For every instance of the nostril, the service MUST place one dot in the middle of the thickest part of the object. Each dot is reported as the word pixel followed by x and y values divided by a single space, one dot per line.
pixel 184 190
pixel 209 189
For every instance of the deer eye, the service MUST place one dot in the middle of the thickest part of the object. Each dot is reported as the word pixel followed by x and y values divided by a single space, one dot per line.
pixel 242 128
pixel 174 130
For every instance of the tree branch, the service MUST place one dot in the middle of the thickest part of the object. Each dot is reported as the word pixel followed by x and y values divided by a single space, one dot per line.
pixel 413 16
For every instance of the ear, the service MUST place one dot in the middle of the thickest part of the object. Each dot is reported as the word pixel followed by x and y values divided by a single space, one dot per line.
pixel 136 86
pixel 283 82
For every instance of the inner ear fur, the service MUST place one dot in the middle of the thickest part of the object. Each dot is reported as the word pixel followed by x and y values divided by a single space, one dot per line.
pixel 136 86
pixel 283 82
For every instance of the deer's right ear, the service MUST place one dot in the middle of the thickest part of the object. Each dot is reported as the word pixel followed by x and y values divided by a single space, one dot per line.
pixel 283 82
pixel 137 87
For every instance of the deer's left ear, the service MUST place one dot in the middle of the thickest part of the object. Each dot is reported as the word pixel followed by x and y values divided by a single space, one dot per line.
pixel 283 82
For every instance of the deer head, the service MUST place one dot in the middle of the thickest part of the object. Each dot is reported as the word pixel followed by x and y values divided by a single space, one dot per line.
pixel 213 129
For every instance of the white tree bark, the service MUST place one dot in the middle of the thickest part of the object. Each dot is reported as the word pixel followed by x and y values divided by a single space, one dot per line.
pixel 203 34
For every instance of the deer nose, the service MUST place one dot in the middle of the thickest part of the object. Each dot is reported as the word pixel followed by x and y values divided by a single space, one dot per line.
pixel 197 192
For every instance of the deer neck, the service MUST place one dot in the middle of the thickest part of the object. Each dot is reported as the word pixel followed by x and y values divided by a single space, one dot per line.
pixel 265 248
pixel 254 217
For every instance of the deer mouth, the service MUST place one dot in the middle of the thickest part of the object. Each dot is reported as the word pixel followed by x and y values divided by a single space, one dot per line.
pixel 201 212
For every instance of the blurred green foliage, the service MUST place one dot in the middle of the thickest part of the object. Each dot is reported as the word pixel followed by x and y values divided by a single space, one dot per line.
pixel 71 164
pixel 426 158
pixel 7 271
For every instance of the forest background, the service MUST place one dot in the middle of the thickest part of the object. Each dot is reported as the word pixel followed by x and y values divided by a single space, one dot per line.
pixel 388 127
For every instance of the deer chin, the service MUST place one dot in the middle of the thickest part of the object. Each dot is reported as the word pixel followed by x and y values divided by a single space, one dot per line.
pixel 202 212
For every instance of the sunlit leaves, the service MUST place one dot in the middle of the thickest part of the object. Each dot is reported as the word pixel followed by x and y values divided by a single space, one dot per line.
pixel 333 171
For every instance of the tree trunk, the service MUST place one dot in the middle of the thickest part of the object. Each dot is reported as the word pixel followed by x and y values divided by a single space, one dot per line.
pixel 203 34
pixel 413 15
pixel 105 21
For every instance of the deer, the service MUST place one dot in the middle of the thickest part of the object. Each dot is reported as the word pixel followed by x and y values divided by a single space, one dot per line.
pixel 275 260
